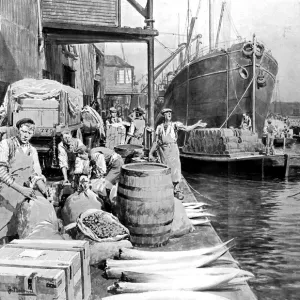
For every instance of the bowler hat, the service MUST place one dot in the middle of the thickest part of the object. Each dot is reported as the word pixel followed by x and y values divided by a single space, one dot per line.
pixel 112 109
pixel 165 110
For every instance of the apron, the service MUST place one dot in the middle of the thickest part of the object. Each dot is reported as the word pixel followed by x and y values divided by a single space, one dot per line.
pixel 169 155
pixel 138 137
pixel 20 168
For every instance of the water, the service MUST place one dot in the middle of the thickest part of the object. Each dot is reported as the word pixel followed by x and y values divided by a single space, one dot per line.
pixel 265 222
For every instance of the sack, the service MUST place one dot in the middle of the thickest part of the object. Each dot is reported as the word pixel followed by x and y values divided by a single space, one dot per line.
pixel 181 223
pixel 78 203
pixel 38 213
pixel 101 226
pixel 98 186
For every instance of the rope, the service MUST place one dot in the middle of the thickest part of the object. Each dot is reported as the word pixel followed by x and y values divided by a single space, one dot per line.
pixel 205 197
pixel 237 103
pixel 164 46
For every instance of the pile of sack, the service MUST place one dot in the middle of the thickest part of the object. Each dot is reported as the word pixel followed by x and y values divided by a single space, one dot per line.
pixel 222 141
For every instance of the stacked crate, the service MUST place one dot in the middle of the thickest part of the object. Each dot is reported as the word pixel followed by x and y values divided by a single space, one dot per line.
pixel 45 270
pixel 221 141
pixel 115 135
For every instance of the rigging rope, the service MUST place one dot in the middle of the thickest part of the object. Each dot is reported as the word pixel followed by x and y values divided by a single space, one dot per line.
pixel 238 102
pixel 164 46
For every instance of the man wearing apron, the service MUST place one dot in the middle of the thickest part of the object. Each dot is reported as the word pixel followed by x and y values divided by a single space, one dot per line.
pixel 136 130
pixel 68 150
pixel 20 171
pixel 166 145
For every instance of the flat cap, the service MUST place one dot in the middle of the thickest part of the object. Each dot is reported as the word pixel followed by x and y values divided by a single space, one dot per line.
pixel 24 121
pixel 112 109
pixel 165 110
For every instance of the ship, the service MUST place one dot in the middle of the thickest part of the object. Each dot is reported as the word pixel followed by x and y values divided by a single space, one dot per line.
pixel 220 85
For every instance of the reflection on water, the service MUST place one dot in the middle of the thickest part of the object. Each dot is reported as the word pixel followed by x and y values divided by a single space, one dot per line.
pixel 265 221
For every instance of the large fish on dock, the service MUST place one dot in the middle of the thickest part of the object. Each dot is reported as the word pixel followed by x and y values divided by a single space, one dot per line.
pixel 166 295
pixel 127 254
pixel 187 283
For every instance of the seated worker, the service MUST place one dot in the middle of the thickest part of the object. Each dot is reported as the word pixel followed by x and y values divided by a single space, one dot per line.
pixel 106 162
pixel 246 122
pixel 20 171
pixel 82 164
pixel 67 153
pixel 135 135
pixel 270 131
pixel 113 118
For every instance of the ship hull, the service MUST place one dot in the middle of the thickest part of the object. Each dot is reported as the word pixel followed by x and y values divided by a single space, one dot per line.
pixel 211 89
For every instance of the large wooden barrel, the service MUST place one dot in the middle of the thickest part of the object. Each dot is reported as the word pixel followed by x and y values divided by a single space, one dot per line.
pixel 145 203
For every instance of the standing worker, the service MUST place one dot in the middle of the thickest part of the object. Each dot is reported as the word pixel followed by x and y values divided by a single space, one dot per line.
pixel 113 118
pixel 166 143
pixel 246 122
pixel 270 131
pixel 20 171
pixel 136 130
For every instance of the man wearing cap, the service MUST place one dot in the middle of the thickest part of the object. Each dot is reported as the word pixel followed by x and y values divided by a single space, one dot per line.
pixel 20 171
pixel 136 130
pixel 246 122
pixel 166 145
pixel 68 150
pixel 113 118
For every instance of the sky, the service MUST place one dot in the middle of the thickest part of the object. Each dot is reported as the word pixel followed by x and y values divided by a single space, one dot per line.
pixel 275 22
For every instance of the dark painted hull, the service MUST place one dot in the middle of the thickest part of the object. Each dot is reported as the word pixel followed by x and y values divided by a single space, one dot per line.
pixel 214 78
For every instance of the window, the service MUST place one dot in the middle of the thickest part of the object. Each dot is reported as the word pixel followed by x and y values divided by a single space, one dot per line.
pixel 124 76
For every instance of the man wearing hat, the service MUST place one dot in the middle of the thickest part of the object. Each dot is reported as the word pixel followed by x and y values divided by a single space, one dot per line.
pixel 270 131
pixel 166 145
pixel 20 171
pixel 136 130
pixel 68 150
pixel 113 118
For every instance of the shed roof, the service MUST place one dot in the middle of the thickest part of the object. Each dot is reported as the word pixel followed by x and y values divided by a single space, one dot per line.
pixel 115 61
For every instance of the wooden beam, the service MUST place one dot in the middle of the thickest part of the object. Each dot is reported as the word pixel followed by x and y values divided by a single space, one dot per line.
pixel 138 7
pixel 50 27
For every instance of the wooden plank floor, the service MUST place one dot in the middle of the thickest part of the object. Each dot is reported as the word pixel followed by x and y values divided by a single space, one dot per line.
pixel 203 236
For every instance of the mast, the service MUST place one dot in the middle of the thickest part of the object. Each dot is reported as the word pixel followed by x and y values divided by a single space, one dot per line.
pixel 210 25
pixel 254 83
pixel 220 23
pixel 187 71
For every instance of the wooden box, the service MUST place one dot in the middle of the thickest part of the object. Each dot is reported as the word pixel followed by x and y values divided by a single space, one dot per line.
pixel 67 261
pixel 32 283
pixel 82 247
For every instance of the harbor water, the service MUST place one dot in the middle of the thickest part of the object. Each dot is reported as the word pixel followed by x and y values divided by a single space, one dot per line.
pixel 264 218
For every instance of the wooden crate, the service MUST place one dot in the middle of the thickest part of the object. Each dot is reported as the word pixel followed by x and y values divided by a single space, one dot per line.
pixel 82 247
pixel 68 261
pixel 32 283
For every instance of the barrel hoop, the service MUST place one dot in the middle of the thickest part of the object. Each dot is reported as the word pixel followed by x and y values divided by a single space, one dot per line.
pixel 139 189
pixel 148 225
pixel 141 173
pixel 150 234
pixel 138 199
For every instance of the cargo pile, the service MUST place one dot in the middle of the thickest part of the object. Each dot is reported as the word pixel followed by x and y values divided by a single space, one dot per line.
pixel 222 141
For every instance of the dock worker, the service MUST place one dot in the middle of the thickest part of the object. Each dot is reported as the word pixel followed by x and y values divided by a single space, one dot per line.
pixel 246 122
pixel 270 131
pixel 68 150
pixel 110 167
pixel 166 145
pixel 136 130
pixel 20 175
pixel 113 118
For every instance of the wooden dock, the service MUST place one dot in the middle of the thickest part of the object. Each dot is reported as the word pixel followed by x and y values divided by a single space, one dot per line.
pixel 203 236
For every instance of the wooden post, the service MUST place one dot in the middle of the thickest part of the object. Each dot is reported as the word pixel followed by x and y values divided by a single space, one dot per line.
pixel 254 84
pixel 286 165
pixel 227 89
pixel 210 26
pixel 263 168
pixel 150 44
